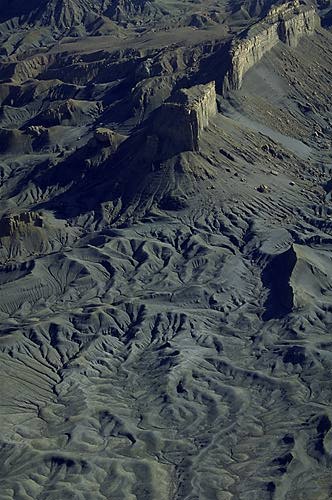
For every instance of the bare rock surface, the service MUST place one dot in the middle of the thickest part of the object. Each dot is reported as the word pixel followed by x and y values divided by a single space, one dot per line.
pixel 190 112
pixel 285 23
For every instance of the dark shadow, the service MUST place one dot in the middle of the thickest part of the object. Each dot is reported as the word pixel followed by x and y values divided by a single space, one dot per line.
pixel 19 8
pixel 275 277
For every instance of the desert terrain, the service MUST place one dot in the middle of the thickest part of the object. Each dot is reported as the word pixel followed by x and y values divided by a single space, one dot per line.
pixel 165 250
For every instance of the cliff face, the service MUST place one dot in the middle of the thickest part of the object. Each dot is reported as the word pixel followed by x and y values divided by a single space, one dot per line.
pixel 179 123
pixel 286 23
pixel 11 223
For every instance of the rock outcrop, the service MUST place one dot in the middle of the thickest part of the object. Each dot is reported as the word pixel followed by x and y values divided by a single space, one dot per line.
pixel 36 130
pixel 122 10
pixel 286 23
pixel 11 223
pixel 179 122
pixel 108 138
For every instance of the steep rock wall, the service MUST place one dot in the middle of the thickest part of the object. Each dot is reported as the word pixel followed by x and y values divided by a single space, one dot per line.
pixel 179 123
pixel 286 23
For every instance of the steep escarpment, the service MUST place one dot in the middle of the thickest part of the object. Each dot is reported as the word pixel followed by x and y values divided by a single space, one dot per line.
pixel 190 111
pixel 286 23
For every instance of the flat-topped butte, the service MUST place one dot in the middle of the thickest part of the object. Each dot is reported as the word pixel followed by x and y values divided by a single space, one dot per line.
pixel 179 122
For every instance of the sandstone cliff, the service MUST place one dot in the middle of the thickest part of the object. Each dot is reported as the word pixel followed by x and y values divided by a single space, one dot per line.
pixel 179 123
pixel 286 23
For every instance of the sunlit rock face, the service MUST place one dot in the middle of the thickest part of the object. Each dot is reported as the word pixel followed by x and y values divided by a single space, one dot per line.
pixel 286 23
pixel 180 122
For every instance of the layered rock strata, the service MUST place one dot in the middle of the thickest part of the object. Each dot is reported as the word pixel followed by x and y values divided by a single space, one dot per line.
pixel 179 123
pixel 286 23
